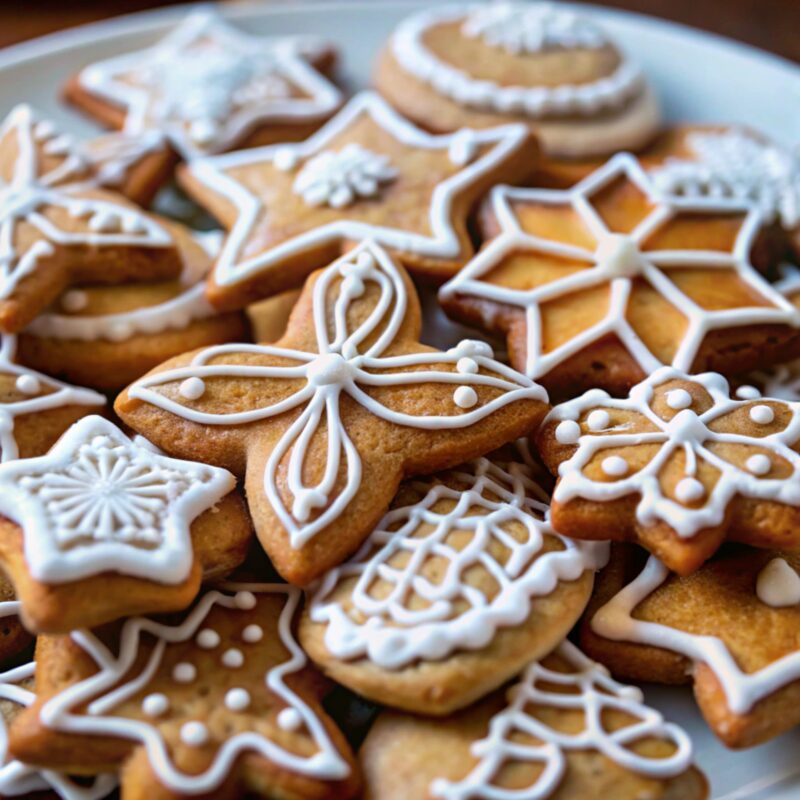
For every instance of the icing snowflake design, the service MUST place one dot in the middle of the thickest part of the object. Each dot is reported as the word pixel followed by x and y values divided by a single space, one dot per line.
pixel 735 164
pixel 338 179
pixel 697 422
pixel 531 27
pixel 618 261
pixel 98 502
pixel 30 194
pixel 588 689
pixel 484 498
pixel 115 683
pixel 347 362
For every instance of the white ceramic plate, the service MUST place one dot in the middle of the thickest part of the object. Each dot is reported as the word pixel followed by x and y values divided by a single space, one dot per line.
pixel 698 76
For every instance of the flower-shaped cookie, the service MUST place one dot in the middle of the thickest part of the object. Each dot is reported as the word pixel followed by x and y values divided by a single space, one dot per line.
pixel 678 465
pixel 601 284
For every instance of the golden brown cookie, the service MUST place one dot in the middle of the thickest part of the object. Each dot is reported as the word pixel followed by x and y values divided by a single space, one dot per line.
pixel 325 423
pixel 215 702
pixel 14 638
pixel 268 318
pixel 566 731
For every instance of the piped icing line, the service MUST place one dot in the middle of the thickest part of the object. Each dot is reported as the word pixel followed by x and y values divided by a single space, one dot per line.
pixel 206 85
pixel 615 621
pixel 234 266
pixel 342 365
pixel 98 503
pixel 537 102
pixel 32 383
pixel 686 431
pixel 488 496
pixel 617 261
pixel 590 690
pixel 113 155
pixel 101 694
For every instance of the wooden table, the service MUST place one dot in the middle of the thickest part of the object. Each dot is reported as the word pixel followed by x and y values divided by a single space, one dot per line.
pixel 770 24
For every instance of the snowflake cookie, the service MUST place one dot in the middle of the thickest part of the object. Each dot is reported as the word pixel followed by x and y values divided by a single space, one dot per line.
pixel 216 697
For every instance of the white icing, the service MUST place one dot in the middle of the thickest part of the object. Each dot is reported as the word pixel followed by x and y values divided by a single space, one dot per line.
pixel 155 705
pixel 233 658
pixel 615 264
pixel 588 689
pixel 598 420
pixel 289 719
pixel 347 362
pixel 28 384
pixel 489 497
pixel 192 388
pixel 99 503
pixel 252 634
pixel 678 399
pixel 585 99
pixel 245 600
pixel 568 432
pixel 762 415
pixel 759 464
pixel 208 639
pixel 463 147
pixel 751 393
pixel 689 490
pixel 74 300
pixel 465 397
pixel 615 466
pixel 184 672
pixel 778 585
pixel 237 699
pixel 113 155
pixel 194 734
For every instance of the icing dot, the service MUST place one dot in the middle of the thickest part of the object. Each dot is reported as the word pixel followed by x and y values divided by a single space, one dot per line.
pixel 285 159
pixel 237 699
pixel 245 600
pixel 467 365
pixel 568 432
pixel 74 300
pixel 758 464
pixel 679 399
pixel 778 585
pixel 616 466
pixel 184 672
pixel 253 633
pixel 28 384
pixel 465 397
pixel 208 639
pixel 233 658
pixel 195 734
pixel 689 490
pixel 192 388
pixel 598 420
pixel 154 705
pixel 747 393
pixel 762 415
pixel 289 719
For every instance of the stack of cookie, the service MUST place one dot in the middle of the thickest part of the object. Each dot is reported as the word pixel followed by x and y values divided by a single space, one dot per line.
pixel 330 560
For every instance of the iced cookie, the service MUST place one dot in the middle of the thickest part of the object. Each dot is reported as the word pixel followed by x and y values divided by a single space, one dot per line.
pixel 325 423
pixel 478 65
pixel 368 173
pixel 58 230
pixel 102 527
pixel 15 640
pixel 215 702
pixel 602 284
pixel 460 586
pixel 209 87
pixel 730 628
pixel 565 731
pixel 107 336
pixel 679 466
pixel 268 318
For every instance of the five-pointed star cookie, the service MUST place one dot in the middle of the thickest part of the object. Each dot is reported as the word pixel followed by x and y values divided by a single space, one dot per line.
pixel 215 702
pixel 368 173
pixel 679 466
pixel 56 229
pixel 601 284
pixel 324 424
pixel 102 527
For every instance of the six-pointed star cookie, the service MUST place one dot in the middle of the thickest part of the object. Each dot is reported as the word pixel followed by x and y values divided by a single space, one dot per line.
pixel 602 284
pixel 209 87
pixel 215 702
pixel 324 424
pixel 678 466
pixel 368 173
pixel 102 527
pixel 730 628
pixel 56 229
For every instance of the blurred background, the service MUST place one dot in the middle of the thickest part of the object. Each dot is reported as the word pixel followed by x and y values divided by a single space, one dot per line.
pixel 772 25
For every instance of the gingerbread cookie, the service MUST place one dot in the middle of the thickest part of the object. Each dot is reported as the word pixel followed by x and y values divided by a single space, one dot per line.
pixel 679 466
pixel 730 629
pixel 478 65
pixel 324 424
pixel 107 336
pixel 15 640
pixel 368 173
pixel 602 284
pixel 215 702
pixel 566 731
pixel 209 87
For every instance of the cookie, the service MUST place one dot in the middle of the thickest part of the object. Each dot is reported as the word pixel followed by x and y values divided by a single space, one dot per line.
pixel 215 702
pixel 566 731
pixel 599 285
pixel 107 336
pixel 679 466
pixel 479 65
pixel 368 173
pixel 58 230
pixel 460 586
pixel 730 629
pixel 209 87
pixel 102 527
pixel 323 425
pixel 268 318
pixel 15 640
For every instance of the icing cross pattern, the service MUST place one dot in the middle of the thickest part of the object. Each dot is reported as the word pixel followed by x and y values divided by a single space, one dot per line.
pixel 588 689
pixel 485 497
pixel 618 260
pixel 347 362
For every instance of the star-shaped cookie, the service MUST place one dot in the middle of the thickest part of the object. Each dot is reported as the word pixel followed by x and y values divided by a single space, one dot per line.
pixel 325 423
pixel 601 284
pixel 368 173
